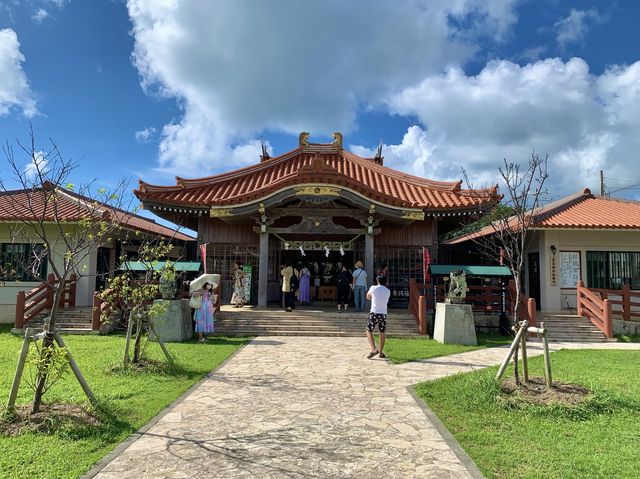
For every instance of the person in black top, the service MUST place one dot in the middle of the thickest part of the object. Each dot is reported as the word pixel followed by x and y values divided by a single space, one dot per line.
pixel 344 288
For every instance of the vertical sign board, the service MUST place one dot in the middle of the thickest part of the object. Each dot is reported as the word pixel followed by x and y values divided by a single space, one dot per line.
pixel 552 270
pixel 569 269
pixel 248 269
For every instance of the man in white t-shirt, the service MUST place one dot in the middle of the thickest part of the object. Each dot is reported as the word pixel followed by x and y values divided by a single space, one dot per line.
pixel 379 296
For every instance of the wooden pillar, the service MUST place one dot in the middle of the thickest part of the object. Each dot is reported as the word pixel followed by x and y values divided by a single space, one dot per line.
pixel 368 257
pixel 263 269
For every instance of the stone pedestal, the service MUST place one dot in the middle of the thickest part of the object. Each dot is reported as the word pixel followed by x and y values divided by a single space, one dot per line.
pixel 455 324
pixel 175 324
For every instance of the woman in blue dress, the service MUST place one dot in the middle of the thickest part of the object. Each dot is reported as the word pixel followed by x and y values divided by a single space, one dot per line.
pixel 305 290
pixel 204 314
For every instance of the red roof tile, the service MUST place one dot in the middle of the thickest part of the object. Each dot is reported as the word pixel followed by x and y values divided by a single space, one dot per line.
pixel 579 211
pixel 71 207
pixel 316 164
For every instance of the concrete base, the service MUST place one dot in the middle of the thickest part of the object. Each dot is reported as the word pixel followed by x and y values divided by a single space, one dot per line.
pixel 175 324
pixel 455 324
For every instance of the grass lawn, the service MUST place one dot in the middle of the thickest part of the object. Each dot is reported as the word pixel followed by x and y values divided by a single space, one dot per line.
pixel 134 397
pixel 598 439
pixel 402 350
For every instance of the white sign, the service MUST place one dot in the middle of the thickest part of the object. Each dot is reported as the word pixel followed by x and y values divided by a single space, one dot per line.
pixel 569 268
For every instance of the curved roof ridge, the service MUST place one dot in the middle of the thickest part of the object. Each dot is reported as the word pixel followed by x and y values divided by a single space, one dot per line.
pixel 385 170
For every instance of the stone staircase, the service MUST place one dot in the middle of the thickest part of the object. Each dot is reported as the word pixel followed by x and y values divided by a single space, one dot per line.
pixel 571 328
pixel 74 320
pixel 305 322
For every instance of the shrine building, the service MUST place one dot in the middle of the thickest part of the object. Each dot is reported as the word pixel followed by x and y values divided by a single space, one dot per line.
pixel 317 205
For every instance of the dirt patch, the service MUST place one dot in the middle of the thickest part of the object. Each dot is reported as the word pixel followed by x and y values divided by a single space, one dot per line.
pixel 535 392
pixel 51 418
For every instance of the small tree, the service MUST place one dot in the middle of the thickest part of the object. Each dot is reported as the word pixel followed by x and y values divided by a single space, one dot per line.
pixel 509 237
pixel 134 299
pixel 57 218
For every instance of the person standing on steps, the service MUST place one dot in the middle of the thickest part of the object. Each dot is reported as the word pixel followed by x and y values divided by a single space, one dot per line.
pixel 238 299
pixel 289 285
pixel 379 296
pixel 359 286
pixel 305 287
pixel 344 288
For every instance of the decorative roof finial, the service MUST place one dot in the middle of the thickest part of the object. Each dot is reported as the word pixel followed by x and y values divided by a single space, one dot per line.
pixel 303 139
pixel 337 139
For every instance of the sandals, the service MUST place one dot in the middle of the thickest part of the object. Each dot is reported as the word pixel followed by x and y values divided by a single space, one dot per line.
pixel 372 354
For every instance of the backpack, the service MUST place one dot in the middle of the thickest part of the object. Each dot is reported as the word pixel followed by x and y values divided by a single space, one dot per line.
pixel 294 282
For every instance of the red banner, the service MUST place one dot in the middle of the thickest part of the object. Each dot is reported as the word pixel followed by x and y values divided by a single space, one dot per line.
pixel 203 256
pixel 426 261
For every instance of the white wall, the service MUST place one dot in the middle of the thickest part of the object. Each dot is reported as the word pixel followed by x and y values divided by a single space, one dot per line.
pixel 554 298
pixel 8 292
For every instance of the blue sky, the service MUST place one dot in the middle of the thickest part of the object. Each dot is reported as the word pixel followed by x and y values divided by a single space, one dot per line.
pixel 155 89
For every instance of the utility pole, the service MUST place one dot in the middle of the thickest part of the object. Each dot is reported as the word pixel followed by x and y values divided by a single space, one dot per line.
pixel 601 183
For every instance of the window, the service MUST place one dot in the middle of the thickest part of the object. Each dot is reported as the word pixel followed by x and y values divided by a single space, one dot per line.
pixel 613 269
pixel 16 260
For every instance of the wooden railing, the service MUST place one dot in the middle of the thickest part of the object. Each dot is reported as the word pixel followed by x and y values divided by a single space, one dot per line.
pixel 527 309
pixel 418 305
pixel 625 302
pixel 31 303
pixel 482 298
pixel 593 307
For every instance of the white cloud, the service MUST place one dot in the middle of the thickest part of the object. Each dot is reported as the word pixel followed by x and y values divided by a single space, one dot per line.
pixel 585 122
pixel 146 135
pixel 40 15
pixel 574 27
pixel 38 163
pixel 238 68
pixel 14 87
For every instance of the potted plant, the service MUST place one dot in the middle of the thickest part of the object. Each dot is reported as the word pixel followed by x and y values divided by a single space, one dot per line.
pixel 167 285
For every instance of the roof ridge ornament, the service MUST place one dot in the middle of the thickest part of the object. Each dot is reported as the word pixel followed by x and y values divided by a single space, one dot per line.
pixel 303 139
pixel 337 139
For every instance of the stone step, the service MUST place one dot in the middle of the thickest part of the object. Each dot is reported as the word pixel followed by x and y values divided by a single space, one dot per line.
pixel 241 333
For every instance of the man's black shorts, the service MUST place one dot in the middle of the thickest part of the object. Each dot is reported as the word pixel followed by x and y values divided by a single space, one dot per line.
pixel 379 319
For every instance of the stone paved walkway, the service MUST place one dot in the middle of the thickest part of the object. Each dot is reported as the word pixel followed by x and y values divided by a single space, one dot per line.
pixel 305 407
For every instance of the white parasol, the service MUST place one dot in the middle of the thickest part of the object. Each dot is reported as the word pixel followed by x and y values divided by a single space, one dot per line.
pixel 197 283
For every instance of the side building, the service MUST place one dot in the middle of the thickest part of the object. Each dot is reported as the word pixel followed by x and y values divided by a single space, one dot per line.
pixel 317 205
pixel 17 242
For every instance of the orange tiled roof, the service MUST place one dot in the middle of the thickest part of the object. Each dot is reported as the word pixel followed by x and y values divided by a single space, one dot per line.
pixel 596 212
pixel 317 164
pixel 18 204
pixel 582 210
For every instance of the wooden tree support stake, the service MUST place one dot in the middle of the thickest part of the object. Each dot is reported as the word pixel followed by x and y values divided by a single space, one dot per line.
pixel 160 342
pixel 512 349
pixel 76 370
pixel 547 359
pixel 11 404
pixel 525 360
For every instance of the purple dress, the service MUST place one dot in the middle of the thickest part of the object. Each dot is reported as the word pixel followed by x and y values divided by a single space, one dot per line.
pixel 204 314
pixel 305 291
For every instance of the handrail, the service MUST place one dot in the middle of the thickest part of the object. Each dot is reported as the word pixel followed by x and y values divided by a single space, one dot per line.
pixel 31 303
pixel 527 310
pixel 627 307
pixel 595 309
pixel 418 305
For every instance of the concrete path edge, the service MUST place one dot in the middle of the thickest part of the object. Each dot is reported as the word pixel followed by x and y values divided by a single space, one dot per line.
pixel 451 441
pixel 104 462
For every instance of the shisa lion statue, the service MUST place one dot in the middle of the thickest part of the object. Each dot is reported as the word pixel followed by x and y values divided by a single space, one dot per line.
pixel 457 287
pixel 303 139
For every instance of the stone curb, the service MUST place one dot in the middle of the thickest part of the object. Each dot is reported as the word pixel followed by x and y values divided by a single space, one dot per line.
pixel 451 441
pixel 120 448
